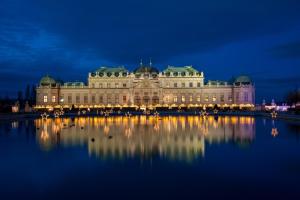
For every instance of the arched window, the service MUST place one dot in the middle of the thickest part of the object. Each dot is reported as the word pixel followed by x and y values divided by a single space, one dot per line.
pixel 155 100
pixel 137 100
pixel 146 99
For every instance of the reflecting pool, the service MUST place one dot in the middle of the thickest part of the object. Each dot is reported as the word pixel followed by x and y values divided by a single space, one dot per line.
pixel 150 157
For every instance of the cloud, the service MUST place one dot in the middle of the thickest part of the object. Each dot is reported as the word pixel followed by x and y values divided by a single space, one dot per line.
pixel 124 31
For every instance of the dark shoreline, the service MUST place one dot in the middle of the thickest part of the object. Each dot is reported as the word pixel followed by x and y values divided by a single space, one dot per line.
pixel 286 116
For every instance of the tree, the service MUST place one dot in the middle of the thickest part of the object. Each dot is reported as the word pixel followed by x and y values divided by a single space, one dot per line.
pixel 20 96
pixel 27 92
pixel 293 97
pixel 32 95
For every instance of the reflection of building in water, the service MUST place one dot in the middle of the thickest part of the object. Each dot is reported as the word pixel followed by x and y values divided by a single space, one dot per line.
pixel 181 138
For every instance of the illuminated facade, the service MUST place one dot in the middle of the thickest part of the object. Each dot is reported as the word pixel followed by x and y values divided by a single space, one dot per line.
pixel 145 87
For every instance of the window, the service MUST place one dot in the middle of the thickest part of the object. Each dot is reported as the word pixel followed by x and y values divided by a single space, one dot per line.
pixel 245 96
pixel 222 97
pixel 45 99
pixel 117 85
pixel 69 99
pixel 167 99
pixel 77 99
pixel 229 98
pixel 175 99
pixel 198 84
pixel 124 84
pixel 108 98
pixel 100 85
pixel 108 85
pixel 206 97
pixel 61 99
pixel 183 85
pixel 214 97
pixel 93 85
pixel 237 96
pixel 53 99
pixel 100 99
pixel 198 98
pixel 167 84
pixel 191 98
pixel 85 99
pixel 182 98
pixel 116 98
pixel 93 99
pixel 124 99
pixel 191 84
pixel 175 85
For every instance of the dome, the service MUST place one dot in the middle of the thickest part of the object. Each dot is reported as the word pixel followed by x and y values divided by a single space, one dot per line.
pixel 47 80
pixel 243 80
pixel 145 69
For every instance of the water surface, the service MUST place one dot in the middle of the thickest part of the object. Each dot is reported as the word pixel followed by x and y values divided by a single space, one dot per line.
pixel 150 158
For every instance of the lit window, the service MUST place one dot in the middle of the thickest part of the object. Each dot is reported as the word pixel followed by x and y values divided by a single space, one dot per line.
pixel 191 98
pixel 175 99
pixel 53 98
pixel 206 97
pixel 198 98
pixel 45 99
pixel 117 85
pixel 230 98
pixel 167 99
pixel 214 98
pixel 182 98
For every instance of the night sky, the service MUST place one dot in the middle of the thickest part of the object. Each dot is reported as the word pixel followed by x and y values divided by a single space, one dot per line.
pixel 223 38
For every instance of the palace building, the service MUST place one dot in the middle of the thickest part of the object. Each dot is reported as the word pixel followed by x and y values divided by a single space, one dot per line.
pixel 145 87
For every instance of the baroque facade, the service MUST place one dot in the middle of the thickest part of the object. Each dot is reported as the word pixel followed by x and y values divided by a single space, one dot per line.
pixel 145 87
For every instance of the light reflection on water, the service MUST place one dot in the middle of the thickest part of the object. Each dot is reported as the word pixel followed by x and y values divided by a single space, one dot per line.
pixel 175 138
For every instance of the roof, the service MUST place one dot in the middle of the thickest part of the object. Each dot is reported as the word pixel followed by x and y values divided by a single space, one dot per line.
pixel 186 69
pixel 242 79
pixel 76 83
pixel 47 80
pixel 145 69
pixel 119 69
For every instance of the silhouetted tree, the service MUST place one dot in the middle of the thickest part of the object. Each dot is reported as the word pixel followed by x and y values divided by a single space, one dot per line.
pixel 20 96
pixel 32 95
pixel 27 93
pixel 293 97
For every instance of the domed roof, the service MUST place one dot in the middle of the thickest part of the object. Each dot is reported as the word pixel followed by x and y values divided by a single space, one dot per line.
pixel 243 79
pixel 145 69
pixel 47 80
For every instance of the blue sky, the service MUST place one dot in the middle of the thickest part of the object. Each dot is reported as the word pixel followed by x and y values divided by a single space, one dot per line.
pixel 68 38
